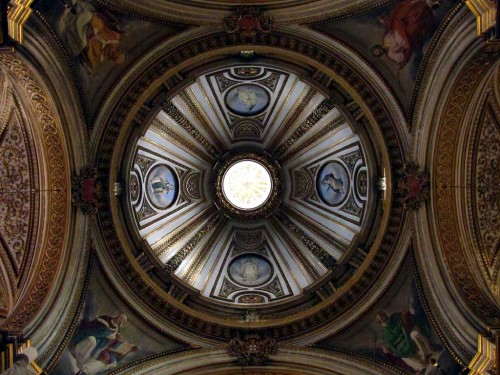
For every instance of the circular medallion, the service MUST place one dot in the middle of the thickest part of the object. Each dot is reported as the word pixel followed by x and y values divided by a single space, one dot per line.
pixel 162 186
pixel 250 270
pixel 247 100
pixel 332 183
pixel 247 184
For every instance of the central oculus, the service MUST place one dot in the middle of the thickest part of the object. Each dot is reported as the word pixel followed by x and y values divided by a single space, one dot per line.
pixel 247 184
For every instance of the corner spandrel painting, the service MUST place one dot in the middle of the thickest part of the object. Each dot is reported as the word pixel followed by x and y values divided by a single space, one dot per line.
pixel 394 37
pixel 100 42
pixel 108 334
pixel 396 330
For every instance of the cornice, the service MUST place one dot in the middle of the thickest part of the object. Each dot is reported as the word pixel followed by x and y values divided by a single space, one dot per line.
pixel 288 360
pixel 285 12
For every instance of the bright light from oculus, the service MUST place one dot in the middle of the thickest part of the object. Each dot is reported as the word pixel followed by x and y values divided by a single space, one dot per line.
pixel 247 184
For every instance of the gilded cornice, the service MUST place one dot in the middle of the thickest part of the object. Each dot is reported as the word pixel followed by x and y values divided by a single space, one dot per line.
pixel 485 12
pixel 18 13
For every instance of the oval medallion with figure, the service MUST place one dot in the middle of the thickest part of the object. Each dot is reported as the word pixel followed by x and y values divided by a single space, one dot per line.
pixel 247 100
pixel 332 183
pixel 250 270
pixel 162 186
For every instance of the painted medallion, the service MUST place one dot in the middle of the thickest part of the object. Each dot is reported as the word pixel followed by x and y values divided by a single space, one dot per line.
pixel 247 100
pixel 332 183
pixel 250 270
pixel 162 186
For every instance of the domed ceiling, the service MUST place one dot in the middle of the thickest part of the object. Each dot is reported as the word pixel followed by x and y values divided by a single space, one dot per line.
pixel 245 237
pixel 246 188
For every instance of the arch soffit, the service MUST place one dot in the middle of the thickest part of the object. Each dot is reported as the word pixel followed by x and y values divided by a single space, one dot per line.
pixel 289 360
pixel 53 286
pixel 50 68
pixel 443 113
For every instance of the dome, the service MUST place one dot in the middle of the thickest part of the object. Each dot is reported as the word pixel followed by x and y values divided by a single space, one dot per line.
pixel 188 207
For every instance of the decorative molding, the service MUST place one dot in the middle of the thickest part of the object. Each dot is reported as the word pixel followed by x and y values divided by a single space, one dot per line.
pixel 324 257
pixel 446 151
pixel 485 12
pixel 228 287
pixel 176 115
pixel 314 228
pixel 201 256
pixel 485 195
pixel 274 287
pixel 321 110
pixel 327 129
pixel 247 21
pixel 85 190
pixel 177 259
pixel 18 13
pixel 198 114
pixel 487 359
pixel 252 350
pixel 167 242
pixel 302 183
pixel 294 250
pixel 414 186
pixel 19 200
pixel 56 198
pixel 166 131
pixel 191 185
pixel 275 196
pixel 299 107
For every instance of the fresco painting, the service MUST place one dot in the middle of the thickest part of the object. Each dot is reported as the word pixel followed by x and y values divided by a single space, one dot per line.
pixel 332 183
pixel 108 334
pixel 247 100
pixel 93 36
pixel 394 37
pixel 250 270
pixel 396 330
pixel 162 186
pixel 100 43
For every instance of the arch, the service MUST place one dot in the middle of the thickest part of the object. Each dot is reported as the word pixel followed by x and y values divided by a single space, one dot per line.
pixel 445 116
